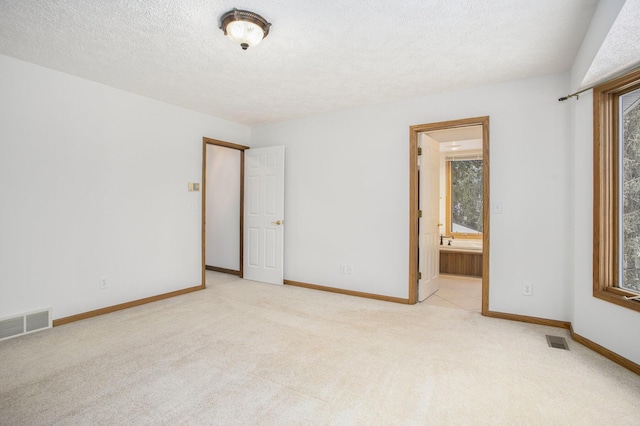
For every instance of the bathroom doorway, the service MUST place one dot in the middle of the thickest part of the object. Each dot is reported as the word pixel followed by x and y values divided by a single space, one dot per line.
pixel 459 149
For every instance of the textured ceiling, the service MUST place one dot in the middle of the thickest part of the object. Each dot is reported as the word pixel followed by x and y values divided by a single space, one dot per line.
pixel 319 56
pixel 620 49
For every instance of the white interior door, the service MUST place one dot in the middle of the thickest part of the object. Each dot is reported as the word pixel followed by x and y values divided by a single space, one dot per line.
pixel 264 215
pixel 428 245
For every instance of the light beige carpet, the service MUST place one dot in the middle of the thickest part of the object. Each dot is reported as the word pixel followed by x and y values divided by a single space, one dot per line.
pixel 244 353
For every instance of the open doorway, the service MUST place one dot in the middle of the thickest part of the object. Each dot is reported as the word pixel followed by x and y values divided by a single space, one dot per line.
pixel 431 137
pixel 222 207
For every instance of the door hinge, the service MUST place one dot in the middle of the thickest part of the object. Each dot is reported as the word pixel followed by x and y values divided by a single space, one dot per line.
pixel 419 275
pixel 419 151
pixel 419 213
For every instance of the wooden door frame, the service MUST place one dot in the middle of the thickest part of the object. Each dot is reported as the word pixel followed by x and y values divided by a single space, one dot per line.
pixel 414 132
pixel 241 148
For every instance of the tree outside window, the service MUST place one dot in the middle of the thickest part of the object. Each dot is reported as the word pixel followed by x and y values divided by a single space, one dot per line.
pixel 465 177
pixel 630 140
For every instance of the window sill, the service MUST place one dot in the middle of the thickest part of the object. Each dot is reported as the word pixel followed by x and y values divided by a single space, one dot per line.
pixel 466 236
pixel 617 296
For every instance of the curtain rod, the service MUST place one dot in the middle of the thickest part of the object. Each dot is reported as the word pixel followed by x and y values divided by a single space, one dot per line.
pixel 610 78
pixel 576 94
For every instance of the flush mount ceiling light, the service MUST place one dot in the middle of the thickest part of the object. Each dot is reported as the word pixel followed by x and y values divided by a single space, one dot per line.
pixel 244 27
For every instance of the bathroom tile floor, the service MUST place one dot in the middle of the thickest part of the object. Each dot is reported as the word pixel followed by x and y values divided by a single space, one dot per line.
pixel 458 292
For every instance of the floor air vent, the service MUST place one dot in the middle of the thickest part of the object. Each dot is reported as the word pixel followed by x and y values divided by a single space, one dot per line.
pixel 25 323
pixel 557 342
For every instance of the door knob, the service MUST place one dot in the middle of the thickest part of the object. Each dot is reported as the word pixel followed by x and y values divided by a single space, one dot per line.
pixel 279 222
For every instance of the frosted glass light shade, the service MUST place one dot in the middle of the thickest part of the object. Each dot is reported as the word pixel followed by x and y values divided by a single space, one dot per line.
pixel 245 32
pixel 244 27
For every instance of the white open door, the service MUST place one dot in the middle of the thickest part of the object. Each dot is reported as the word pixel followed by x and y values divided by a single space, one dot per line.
pixel 264 215
pixel 429 240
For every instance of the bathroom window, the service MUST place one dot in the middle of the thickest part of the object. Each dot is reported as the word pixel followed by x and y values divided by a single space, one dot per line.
pixel 464 197
pixel 616 234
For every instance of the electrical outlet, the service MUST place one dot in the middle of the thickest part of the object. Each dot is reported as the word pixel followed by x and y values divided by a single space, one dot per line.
pixel 496 207
pixel 103 282
pixel 527 289
pixel 350 269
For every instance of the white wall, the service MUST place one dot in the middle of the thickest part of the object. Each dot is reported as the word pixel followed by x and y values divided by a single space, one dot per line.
pixel 94 182
pixel 347 192
pixel 604 323
pixel 223 208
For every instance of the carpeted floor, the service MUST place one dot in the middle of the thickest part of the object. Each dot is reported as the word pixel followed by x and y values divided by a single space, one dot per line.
pixel 244 353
